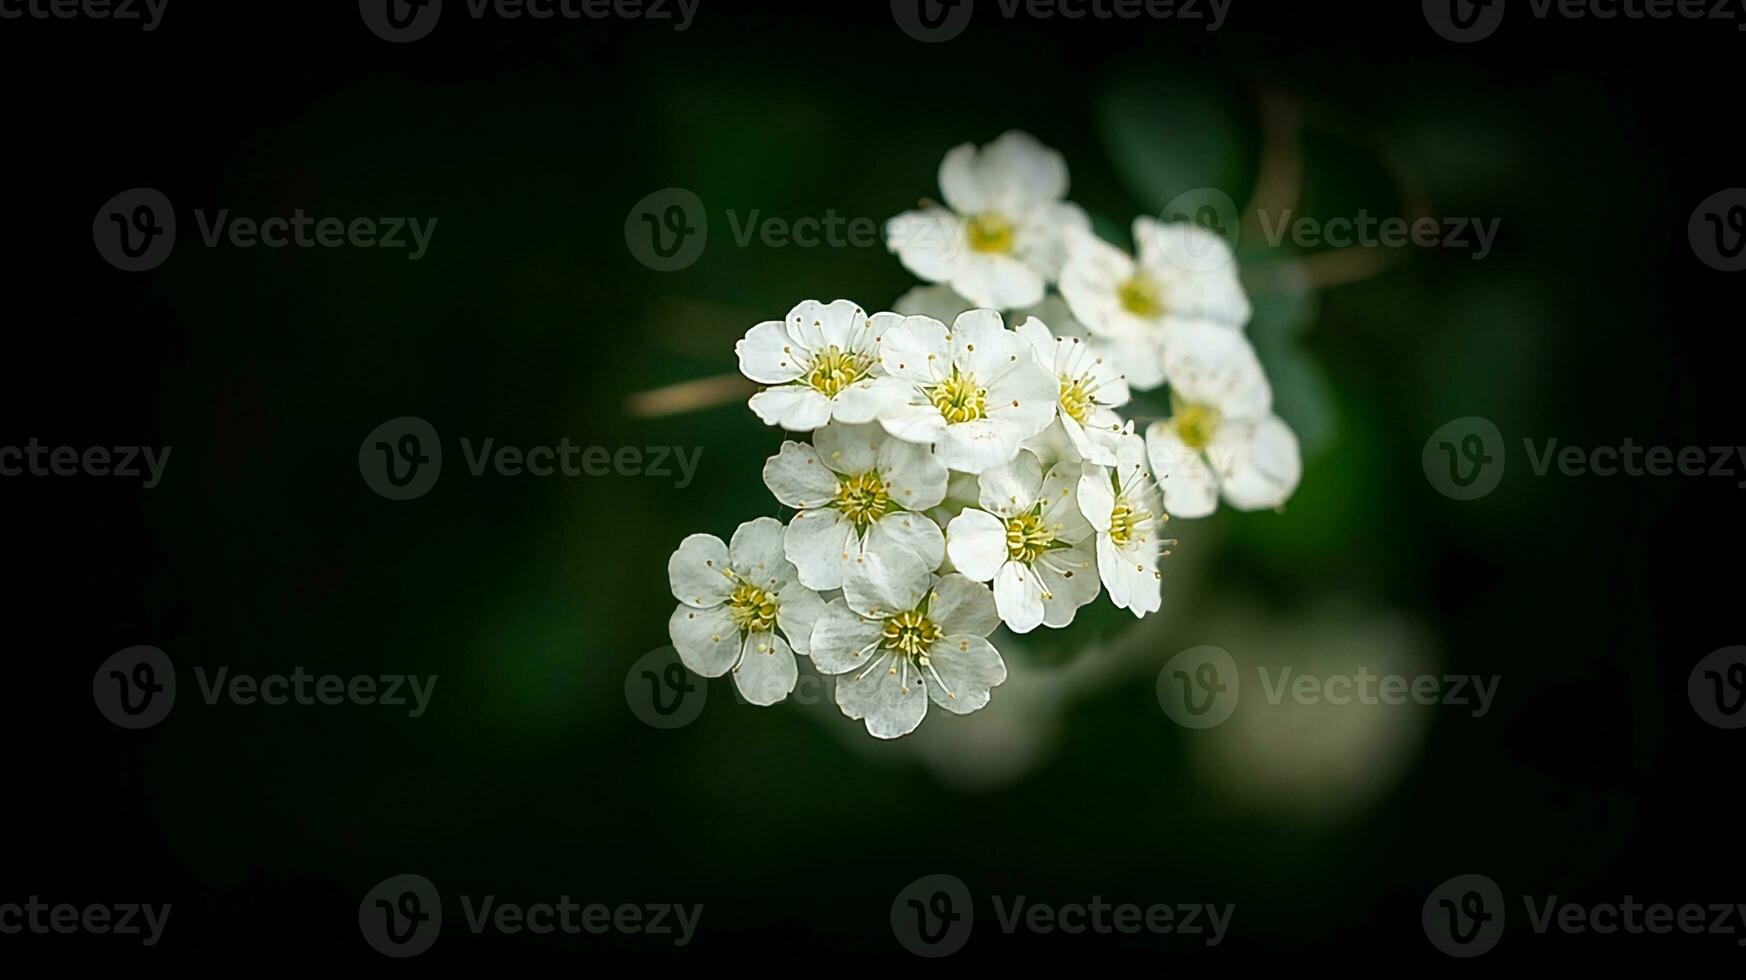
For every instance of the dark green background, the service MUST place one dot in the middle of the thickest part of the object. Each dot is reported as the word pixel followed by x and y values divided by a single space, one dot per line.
pixel 530 321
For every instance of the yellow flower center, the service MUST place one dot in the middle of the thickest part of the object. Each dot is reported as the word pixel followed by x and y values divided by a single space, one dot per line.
pixel 1027 537
pixel 833 370
pixel 1076 399
pixel 1125 522
pixel 911 634
pixel 863 499
pixel 989 232
pixel 752 609
pixel 959 398
pixel 1196 424
pixel 1142 296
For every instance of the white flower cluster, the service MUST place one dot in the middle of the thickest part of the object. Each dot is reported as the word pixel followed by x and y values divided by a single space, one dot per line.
pixel 963 476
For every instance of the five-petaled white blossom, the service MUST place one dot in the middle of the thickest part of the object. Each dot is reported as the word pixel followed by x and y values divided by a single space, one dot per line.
pixel 976 392
pixel 999 240
pixel 1090 386
pixel 732 600
pixel 900 637
pixel 822 362
pixel 856 489
pixel 1184 274
pixel 1122 503
pixel 1222 438
pixel 1031 540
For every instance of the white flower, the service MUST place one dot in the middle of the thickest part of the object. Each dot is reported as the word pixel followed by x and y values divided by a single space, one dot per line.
pixel 857 490
pixel 998 241
pixel 732 599
pixel 901 636
pixel 1184 274
pixel 1089 388
pixel 976 392
pixel 824 363
pixel 1222 437
pixel 1121 502
pixel 1031 540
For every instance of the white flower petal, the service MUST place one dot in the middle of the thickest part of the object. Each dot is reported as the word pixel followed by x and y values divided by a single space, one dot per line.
pixel 961 182
pixel 1025 396
pixel 869 398
pixel 796 408
pixel 697 571
pixel 1110 565
pixel 1066 590
pixel 1259 463
pixel 821 325
pixel 707 639
pixel 1018 595
pixel 818 543
pixel 797 477
pixel 913 532
pixel 969 667
pixel 914 348
pixel 891 698
pixel 917 480
pixel 767 670
pixel 767 354
pixel 1191 489
pixel 959 605
pixel 841 639
pixel 881 582
pixel 1041 237
pixel 756 552
pixel 1012 488
pixel 1060 497
pixel 929 243
pixel 976 543
pixel 979 446
pixel 1210 365
pixel 850 450
pixel 996 280
pixel 918 423
pixel 797 609
pixel 1096 497
pixel 938 302
pixel 1021 172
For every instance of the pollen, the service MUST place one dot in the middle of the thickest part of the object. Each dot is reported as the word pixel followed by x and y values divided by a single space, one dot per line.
pixel 1142 296
pixel 912 634
pixel 1027 537
pixel 989 232
pixel 752 609
pixel 959 398
pixel 863 499
pixel 1196 424
pixel 833 370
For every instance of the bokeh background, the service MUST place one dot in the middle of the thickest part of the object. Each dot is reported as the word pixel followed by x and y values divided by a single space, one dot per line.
pixel 530 321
